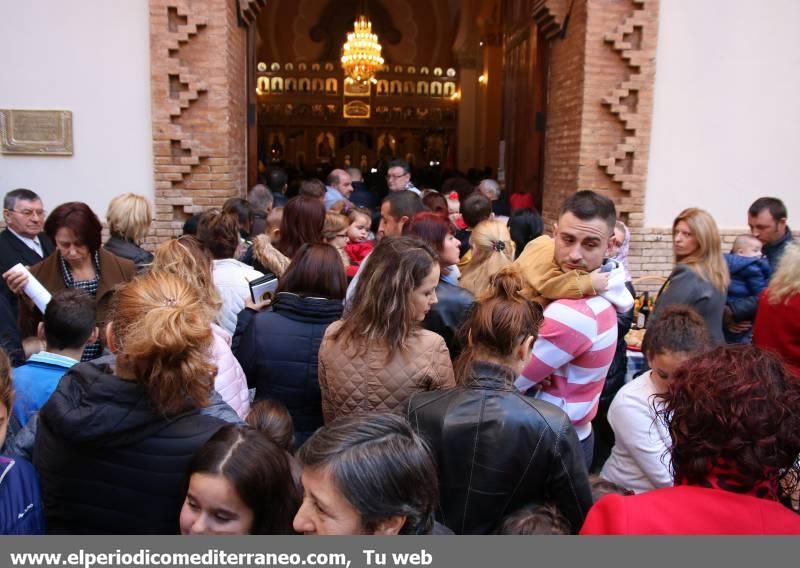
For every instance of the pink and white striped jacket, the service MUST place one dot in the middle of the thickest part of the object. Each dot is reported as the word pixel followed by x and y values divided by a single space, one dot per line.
pixel 574 349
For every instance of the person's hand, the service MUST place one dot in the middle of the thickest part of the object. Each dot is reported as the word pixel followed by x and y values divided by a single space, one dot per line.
pixel 740 327
pixel 16 280
pixel 257 306
pixel 599 280
pixel 732 325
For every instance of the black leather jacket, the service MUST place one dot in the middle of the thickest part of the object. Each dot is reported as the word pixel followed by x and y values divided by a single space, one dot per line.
pixel 448 313
pixel 498 450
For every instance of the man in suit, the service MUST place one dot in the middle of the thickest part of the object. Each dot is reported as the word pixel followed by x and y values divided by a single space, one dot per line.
pixel 23 240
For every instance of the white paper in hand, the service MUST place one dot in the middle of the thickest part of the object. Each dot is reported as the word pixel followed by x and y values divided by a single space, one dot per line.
pixel 34 289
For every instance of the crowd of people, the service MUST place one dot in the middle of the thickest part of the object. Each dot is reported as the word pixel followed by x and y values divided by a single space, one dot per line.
pixel 329 360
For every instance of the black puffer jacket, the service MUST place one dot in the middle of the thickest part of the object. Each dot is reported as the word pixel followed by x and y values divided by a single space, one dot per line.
pixel 279 349
pixel 108 462
pixel 498 450
pixel 448 313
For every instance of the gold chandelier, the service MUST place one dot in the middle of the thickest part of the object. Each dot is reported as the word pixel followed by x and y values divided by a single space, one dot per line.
pixel 361 54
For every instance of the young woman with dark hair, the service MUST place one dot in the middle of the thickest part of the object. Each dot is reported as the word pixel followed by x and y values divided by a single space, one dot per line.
pixel 278 348
pixel 239 482
pixel 640 458
pixel 302 223
pixel 379 354
pixel 733 414
pixel 455 303
pixel 497 449
pixel 79 262
pixel 116 466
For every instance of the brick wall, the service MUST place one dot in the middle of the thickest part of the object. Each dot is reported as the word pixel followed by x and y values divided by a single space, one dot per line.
pixel 198 58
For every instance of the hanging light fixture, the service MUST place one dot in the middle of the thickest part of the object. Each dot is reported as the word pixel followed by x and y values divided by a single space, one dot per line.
pixel 361 54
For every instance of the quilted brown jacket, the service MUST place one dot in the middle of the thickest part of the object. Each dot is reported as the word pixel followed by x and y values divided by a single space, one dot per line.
pixel 367 382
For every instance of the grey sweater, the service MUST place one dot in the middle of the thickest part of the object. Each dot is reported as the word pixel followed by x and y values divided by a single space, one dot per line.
pixel 685 286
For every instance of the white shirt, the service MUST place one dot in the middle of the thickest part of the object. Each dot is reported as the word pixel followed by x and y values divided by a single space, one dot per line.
pixel 32 244
pixel 640 459
pixel 232 279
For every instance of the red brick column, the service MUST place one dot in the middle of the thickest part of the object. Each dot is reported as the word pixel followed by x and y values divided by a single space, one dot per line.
pixel 197 73
pixel 602 72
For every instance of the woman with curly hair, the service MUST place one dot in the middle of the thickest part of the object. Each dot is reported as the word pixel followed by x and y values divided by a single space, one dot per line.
pixel 777 326
pixel 733 414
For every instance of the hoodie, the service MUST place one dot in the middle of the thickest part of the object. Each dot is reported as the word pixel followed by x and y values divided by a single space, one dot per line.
pixel 108 461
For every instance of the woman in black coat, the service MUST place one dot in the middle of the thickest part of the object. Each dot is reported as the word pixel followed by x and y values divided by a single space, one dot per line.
pixel 112 447
pixel 278 348
pixel 498 450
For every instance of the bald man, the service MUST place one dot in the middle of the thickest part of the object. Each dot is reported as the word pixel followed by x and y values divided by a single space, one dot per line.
pixel 339 186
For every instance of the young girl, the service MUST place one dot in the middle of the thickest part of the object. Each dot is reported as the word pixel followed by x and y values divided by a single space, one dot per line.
pixel 334 233
pixel 239 483
pixel 358 246
pixel 640 458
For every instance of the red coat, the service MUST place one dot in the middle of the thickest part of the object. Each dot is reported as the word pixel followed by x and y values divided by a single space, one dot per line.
pixel 777 329
pixel 357 253
pixel 688 509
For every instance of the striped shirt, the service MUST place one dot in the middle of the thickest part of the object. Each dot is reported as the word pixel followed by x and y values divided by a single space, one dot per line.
pixel 575 347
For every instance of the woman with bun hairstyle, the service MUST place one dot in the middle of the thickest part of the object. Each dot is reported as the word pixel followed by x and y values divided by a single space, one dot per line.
pixel 497 449
pixel 186 258
pixel 112 446
pixel 492 250
pixel 240 482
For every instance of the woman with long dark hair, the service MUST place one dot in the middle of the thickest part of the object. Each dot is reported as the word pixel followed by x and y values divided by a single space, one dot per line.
pixel 379 354
pixel 279 347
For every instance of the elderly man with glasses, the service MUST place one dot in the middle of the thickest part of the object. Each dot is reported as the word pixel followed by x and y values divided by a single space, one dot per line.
pixel 23 240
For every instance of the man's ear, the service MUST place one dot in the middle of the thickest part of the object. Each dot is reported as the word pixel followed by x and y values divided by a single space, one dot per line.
pixel 93 336
pixel 111 338
pixel 402 221
pixel 555 230
pixel 40 331
pixel 524 349
pixel 391 526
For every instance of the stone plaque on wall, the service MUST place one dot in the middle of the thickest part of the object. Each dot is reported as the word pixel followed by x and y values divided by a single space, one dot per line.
pixel 40 132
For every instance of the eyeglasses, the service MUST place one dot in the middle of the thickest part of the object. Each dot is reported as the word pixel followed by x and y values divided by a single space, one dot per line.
pixel 341 236
pixel 392 176
pixel 28 213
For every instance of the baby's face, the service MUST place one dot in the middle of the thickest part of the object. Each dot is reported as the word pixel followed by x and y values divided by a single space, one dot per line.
pixel 749 251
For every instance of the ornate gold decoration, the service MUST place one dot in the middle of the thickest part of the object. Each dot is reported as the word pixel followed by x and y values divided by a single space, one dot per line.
pixel 361 53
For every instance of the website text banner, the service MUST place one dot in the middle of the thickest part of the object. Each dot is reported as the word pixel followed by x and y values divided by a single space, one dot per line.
pixel 393 552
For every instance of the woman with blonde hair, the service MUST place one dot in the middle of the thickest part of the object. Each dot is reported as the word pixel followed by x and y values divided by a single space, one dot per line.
pixel 112 446
pixel 129 217
pixel 186 258
pixel 379 354
pixel 700 277
pixel 492 250
pixel 777 326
